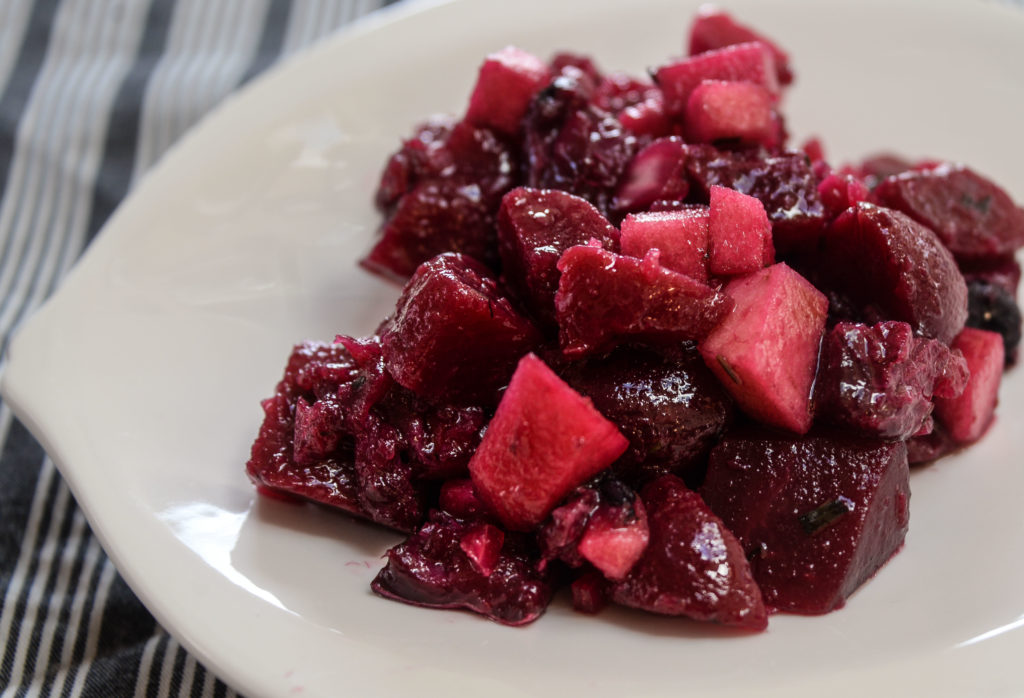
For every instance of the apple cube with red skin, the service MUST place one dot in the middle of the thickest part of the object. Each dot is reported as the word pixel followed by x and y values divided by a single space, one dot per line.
pixel 739 233
pixel 714 29
pixel 693 565
pixel 751 62
pixel 680 236
pixel 816 515
pixel 720 110
pixel 765 351
pixel 544 440
pixel 967 417
pixel 604 299
pixel 507 82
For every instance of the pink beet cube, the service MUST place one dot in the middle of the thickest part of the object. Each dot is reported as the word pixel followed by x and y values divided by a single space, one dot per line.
pixel 604 298
pixel 717 110
pixel 749 62
pixel 766 350
pixel 680 236
pixel 967 417
pixel 544 440
pixel 507 82
pixel 739 233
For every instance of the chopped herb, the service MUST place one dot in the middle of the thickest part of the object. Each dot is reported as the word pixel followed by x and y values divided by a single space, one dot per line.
pixel 724 363
pixel 824 516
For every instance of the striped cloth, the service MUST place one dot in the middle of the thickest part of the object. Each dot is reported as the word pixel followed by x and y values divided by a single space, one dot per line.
pixel 92 92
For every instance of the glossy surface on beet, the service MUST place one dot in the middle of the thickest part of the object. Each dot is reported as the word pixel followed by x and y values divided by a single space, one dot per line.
pixel 879 380
pixel 454 337
pixel 544 440
pixel 669 407
pixel 816 516
pixel 895 269
pixel 432 569
pixel 604 299
pixel 535 226
pixel 693 566
pixel 972 216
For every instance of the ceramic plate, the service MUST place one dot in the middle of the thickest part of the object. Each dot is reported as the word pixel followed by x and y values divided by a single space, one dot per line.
pixel 143 376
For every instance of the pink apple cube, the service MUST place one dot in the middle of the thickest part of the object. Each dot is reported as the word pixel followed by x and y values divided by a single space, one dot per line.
pixel 766 350
pixel 967 417
pixel 544 440
pixel 507 82
pixel 717 110
pixel 680 236
pixel 739 233
pixel 748 62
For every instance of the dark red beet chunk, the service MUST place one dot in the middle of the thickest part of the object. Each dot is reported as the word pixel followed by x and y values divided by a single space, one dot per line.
pixel 894 269
pixel 535 226
pixel 431 569
pixel 454 337
pixel 972 216
pixel 785 184
pixel 817 516
pixel 880 380
pixel 670 408
pixel 573 145
pixel 604 299
pixel 693 566
pixel 441 191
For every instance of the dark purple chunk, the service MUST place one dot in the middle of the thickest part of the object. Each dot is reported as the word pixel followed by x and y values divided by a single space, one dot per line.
pixel 432 569
pixel 991 307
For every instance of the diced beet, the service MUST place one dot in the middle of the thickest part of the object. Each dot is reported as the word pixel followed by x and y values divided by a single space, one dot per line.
pixel 747 62
pixel 991 307
pixel 657 172
pixel 841 191
pixel 589 592
pixel 454 337
pixel 482 544
pixel 604 298
pixel 739 234
pixel 719 110
pixel 616 536
pixel 535 226
pixel 814 149
pixel 458 497
pixel 966 418
pixel 999 271
pixel 648 118
pixel 894 268
pixel 441 192
pixel 972 216
pixel 930 447
pixel 713 29
pixel 507 82
pixel 817 516
pixel 431 569
pixel 617 91
pixel 560 534
pixel 766 351
pixel 879 381
pixel 672 409
pixel 576 63
pixel 544 440
pixel 572 145
pixel 692 566
pixel 877 167
pixel 680 236
pixel 785 183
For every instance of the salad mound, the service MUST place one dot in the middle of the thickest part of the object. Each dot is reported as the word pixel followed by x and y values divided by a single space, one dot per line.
pixel 646 350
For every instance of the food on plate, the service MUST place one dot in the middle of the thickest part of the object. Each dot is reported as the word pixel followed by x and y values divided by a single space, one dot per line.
pixel 648 352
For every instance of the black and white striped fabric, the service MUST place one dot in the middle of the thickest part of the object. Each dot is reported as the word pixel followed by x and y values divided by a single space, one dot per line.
pixel 92 92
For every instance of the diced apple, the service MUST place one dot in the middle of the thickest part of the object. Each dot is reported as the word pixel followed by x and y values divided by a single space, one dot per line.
pixel 719 110
pixel 680 236
pixel 507 82
pixel 615 538
pixel 544 440
pixel 748 62
pixel 739 233
pixel 714 28
pixel 766 350
pixel 967 417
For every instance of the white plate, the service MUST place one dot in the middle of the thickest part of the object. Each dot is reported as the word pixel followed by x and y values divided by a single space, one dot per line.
pixel 143 376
